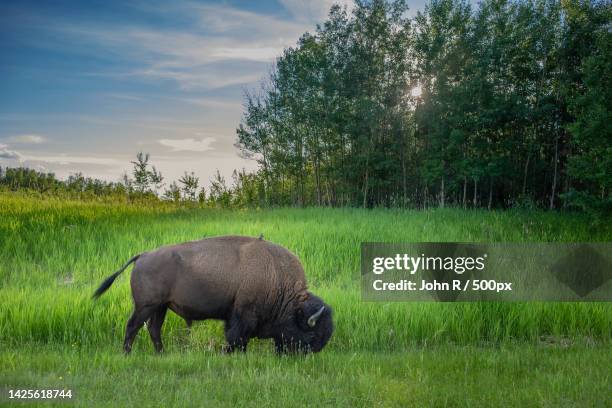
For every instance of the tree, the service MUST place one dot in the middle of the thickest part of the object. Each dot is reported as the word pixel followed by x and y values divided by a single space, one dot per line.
pixel 202 196
pixel 220 194
pixel 145 179
pixel 156 178
pixel 140 172
pixel 189 187
pixel 172 193
pixel 590 165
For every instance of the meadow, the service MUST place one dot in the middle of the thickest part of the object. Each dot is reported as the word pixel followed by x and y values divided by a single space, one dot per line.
pixel 56 252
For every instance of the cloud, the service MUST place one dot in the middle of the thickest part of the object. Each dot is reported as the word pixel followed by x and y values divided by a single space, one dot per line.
pixel 222 46
pixel 247 25
pixel 200 78
pixel 27 139
pixel 64 159
pixel 213 103
pixel 5 153
pixel 191 145
pixel 313 11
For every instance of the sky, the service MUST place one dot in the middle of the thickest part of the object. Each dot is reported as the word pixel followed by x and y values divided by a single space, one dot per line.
pixel 85 85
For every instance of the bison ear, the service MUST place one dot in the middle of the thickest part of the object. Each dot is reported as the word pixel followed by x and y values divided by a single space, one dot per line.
pixel 300 286
pixel 300 289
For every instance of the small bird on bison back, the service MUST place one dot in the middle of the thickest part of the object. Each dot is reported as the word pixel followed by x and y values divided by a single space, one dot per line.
pixel 256 287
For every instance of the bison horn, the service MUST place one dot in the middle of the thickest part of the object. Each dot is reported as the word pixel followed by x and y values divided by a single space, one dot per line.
pixel 312 320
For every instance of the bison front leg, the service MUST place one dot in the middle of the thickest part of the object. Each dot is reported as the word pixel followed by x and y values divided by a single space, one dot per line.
pixel 237 334
pixel 283 346
pixel 279 346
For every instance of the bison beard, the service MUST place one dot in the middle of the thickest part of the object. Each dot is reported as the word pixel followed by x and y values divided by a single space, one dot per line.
pixel 256 287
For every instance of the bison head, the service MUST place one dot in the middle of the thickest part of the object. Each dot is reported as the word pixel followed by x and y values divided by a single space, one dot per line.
pixel 309 329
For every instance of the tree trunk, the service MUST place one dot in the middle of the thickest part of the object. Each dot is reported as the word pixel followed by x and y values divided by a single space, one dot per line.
pixel 568 180
pixel 365 187
pixel 464 191
pixel 525 174
pixel 475 193
pixel 554 181
pixel 442 193
pixel 490 193
pixel 318 181
pixel 404 191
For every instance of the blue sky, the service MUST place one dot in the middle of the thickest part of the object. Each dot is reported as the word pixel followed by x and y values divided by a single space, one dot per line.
pixel 85 85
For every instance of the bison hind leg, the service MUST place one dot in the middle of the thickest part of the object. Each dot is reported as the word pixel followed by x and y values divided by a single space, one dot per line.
pixel 155 324
pixel 141 314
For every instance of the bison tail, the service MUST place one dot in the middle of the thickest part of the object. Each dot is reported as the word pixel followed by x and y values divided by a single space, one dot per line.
pixel 109 281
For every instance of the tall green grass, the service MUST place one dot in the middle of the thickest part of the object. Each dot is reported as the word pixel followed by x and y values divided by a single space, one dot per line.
pixel 55 253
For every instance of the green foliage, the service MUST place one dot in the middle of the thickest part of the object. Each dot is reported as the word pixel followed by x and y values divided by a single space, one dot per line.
pixel 220 193
pixel 172 193
pixel 145 179
pixel 591 163
pixel 76 186
pixel 481 106
pixel 190 184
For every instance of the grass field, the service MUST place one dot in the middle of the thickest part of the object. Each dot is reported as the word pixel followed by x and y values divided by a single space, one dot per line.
pixel 55 253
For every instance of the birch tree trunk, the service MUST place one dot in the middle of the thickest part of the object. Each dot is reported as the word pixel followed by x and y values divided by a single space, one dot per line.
pixel 490 193
pixel 553 191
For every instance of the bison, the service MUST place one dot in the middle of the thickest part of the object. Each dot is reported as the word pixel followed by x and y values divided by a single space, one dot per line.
pixel 256 287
